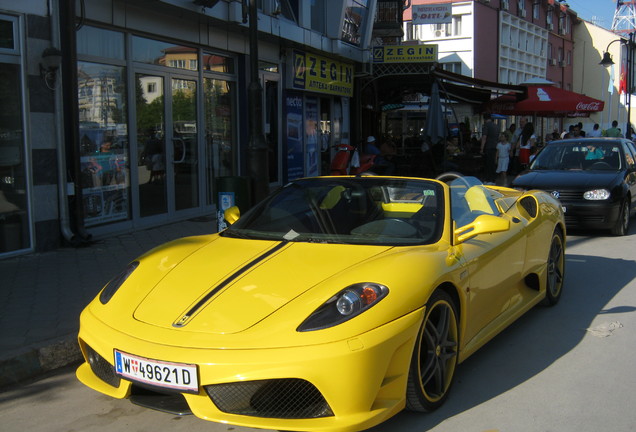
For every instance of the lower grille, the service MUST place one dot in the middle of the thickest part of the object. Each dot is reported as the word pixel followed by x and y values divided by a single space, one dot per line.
pixel 278 398
pixel 582 220
pixel 100 367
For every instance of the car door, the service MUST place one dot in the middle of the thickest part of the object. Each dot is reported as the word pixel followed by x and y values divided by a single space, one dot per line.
pixel 494 264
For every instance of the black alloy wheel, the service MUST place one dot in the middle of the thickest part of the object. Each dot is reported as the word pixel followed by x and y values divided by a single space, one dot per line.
pixel 555 270
pixel 435 355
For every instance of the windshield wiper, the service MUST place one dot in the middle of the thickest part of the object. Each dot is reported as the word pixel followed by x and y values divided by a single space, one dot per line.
pixel 236 234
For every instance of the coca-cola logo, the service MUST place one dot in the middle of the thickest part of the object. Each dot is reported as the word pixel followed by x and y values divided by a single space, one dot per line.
pixel 589 106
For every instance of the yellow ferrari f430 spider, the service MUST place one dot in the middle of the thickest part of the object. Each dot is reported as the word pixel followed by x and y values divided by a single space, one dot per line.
pixel 330 306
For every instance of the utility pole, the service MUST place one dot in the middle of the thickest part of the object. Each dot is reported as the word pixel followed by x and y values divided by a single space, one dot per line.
pixel 257 150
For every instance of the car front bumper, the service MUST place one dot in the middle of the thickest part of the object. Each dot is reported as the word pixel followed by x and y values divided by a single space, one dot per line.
pixel 591 214
pixel 361 380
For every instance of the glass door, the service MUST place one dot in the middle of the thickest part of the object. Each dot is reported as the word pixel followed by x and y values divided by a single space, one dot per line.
pixel 167 144
pixel 185 155
pixel 14 220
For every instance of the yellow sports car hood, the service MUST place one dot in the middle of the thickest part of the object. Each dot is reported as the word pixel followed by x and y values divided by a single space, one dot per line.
pixel 231 284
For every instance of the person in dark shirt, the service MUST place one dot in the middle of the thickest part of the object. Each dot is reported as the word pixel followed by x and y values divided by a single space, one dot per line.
pixel 489 139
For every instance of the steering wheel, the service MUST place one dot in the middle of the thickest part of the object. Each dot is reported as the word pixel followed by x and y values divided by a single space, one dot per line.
pixel 450 176
pixel 600 165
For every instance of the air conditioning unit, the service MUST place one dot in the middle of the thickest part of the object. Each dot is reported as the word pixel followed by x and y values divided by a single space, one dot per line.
pixel 550 26
pixel 439 33
pixel 522 13
pixel 553 62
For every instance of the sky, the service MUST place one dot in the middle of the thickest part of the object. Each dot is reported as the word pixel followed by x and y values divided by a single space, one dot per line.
pixel 600 12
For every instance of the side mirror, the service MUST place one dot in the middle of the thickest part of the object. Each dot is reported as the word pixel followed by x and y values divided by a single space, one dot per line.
pixel 484 224
pixel 232 214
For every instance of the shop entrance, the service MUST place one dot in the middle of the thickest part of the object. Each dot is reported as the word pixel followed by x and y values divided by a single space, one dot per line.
pixel 167 144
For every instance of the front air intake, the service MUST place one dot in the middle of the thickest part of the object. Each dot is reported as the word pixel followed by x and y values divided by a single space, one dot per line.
pixel 277 398
pixel 100 367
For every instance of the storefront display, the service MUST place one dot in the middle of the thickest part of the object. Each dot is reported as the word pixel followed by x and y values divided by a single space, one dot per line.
pixel 103 134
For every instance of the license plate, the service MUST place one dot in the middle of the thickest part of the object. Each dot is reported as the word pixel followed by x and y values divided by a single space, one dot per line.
pixel 176 376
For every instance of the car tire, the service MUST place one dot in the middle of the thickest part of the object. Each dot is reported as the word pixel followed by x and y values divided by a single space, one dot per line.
pixel 434 358
pixel 555 269
pixel 622 223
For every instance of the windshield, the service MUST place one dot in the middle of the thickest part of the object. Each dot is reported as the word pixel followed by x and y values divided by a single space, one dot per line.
pixel 360 210
pixel 588 155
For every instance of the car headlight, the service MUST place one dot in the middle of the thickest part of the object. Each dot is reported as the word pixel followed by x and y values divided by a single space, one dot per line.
pixel 596 194
pixel 348 303
pixel 111 287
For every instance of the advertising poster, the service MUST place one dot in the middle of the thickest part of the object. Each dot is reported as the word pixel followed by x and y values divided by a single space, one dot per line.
pixel 294 135
pixel 312 167
pixel 440 13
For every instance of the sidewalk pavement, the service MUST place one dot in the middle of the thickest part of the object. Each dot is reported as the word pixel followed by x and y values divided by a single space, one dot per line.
pixel 42 295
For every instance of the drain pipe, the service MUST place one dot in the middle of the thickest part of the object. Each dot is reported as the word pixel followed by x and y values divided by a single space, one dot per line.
pixel 63 208
pixel 71 114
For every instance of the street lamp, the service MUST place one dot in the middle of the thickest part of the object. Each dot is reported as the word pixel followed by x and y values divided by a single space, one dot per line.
pixel 607 62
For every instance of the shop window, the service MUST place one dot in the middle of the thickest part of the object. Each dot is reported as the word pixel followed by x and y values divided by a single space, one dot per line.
pixel 218 63
pixel 164 54
pixel 100 42
pixel 103 141
pixel 14 221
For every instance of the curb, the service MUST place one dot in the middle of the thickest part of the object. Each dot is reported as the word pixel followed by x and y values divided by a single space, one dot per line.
pixel 38 361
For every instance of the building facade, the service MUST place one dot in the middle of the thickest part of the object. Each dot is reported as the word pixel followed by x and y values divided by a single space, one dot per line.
pixel 503 41
pixel 608 84
pixel 122 115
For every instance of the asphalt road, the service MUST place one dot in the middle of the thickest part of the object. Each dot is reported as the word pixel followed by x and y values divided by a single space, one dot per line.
pixel 564 369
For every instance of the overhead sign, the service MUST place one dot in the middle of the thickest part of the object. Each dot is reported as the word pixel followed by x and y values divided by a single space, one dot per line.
pixel 321 74
pixel 432 13
pixel 405 53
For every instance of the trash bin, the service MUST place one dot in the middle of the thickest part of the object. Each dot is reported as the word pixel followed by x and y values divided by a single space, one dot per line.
pixel 232 191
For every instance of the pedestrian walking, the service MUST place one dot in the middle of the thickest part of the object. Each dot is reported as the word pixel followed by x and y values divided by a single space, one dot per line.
pixel 514 146
pixel 489 139
pixel 503 158
pixel 526 143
